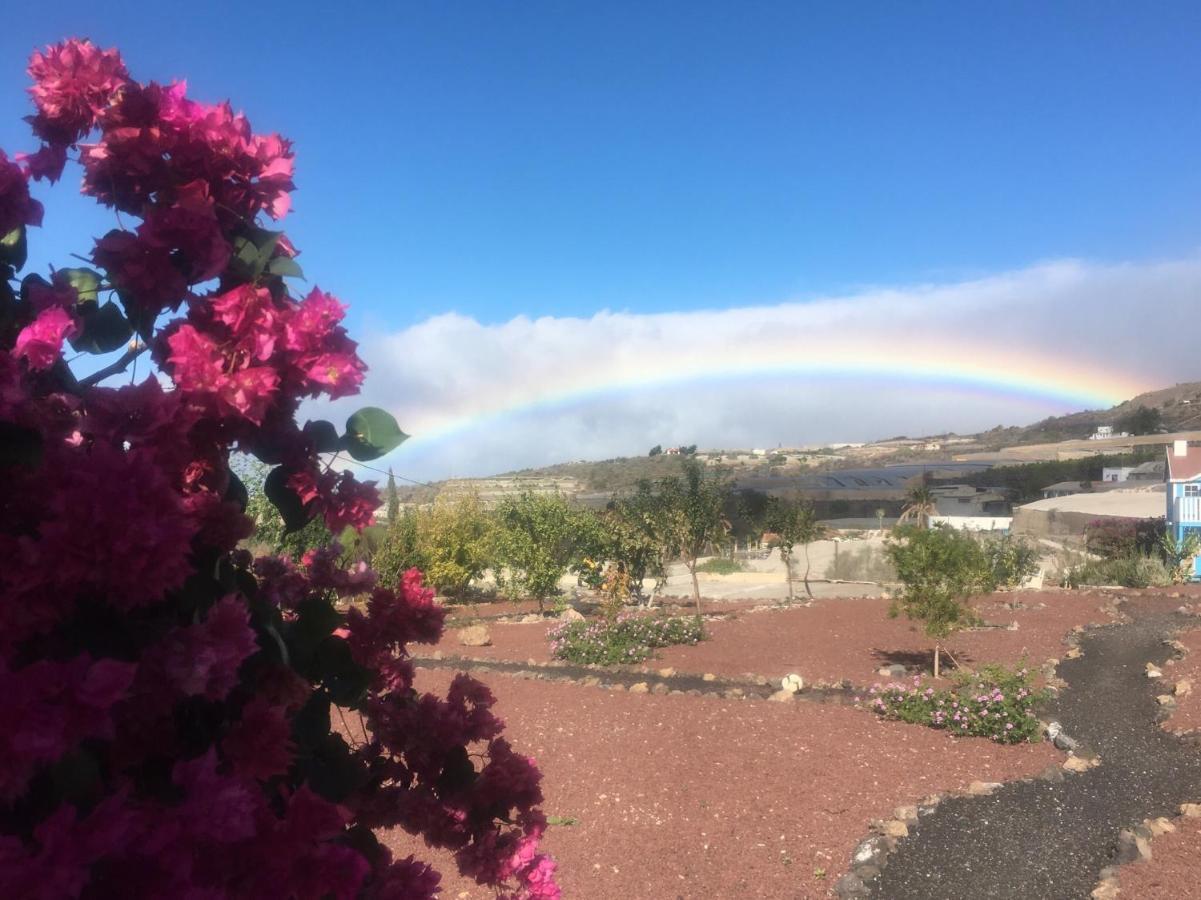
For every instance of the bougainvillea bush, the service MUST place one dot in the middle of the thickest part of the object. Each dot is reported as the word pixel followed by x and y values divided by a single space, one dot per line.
pixel 165 698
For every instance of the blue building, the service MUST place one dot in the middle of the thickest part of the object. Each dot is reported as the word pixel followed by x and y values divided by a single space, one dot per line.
pixel 1184 493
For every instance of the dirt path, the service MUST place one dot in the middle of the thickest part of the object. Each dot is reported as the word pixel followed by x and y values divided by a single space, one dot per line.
pixel 1050 840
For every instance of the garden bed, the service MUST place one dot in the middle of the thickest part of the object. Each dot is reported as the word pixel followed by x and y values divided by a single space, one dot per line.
pixel 848 638
pixel 682 796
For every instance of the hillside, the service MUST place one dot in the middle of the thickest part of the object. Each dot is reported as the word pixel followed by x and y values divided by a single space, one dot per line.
pixel 1178 408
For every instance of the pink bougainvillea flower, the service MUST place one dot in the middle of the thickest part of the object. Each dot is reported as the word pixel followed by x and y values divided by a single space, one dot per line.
pixel 73 82
pixel 40 343
pixel 17 208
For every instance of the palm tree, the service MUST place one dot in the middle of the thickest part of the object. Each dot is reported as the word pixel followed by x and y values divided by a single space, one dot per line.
pixel 920 505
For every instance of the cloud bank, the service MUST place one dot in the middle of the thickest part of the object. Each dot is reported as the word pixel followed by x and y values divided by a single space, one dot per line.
pixel 1007 349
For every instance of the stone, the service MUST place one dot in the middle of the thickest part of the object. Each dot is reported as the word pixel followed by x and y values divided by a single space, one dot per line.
pixel 1132 848
pixel 437 654
pixel 640 688
pixel 1051 773
pixel 1106 890
pixel 1062 741
pixel 708 676
pixel 1183 688
pixel 666 673
pixel 793 683
pixel 781 696
pixel 474 636
pixel 1159 826
pixel 1153 671
pixel 590 681
pixel 1190 810
pixel 660 689
pixel 850 886
pixel 571 615
pixel 867 872
pixel 905 813
pixel 894 671
pixel 896 828
pixel 734 694
pixel 982 788
pixel 870 851
pixel 1079 764
pixel 1074 653
pixel 1165 700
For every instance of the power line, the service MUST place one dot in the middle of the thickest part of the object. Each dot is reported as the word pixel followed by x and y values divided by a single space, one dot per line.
pixel 355 462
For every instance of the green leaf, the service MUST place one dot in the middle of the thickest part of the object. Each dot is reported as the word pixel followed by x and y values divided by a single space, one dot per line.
pixel 295 513
pixel 85 281
pixel 370 433
pixel 14 248
pixel 252 253
pixel 285 267
pixel 324 436
pixel 104 329
pixel 19 446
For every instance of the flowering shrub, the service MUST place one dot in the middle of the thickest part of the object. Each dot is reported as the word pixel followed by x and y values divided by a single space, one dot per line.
pixel 1116 538
pixel 995 702
pixel 628 638
pixel 166 697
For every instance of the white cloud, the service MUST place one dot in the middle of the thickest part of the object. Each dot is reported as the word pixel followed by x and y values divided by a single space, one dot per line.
pixel 487 398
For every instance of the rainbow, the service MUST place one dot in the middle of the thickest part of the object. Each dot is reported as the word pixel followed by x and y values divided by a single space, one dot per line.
pixel 1059 383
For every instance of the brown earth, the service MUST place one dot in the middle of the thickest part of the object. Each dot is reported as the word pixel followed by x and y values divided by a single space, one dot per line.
pixel 1187 715
pixel 682 796
pixel 840 638
pixel 1171 873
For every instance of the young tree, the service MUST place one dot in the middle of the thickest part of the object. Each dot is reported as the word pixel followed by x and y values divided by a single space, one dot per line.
pixel 391 498
pixel 656 450
pixel 454 539
pixel 537 537
pixel 689 518
pixel 399 549
pixel 920 505
pixel 939 569
pixel 793 522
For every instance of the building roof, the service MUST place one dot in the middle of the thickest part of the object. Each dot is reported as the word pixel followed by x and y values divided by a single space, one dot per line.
pixel 1186 467
pixel 1145 503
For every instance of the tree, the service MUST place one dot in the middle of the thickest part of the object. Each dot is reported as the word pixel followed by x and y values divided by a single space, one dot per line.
pixel 689 517
pixel 920 505
pixel 625 536
pixel 399 549
pixel 454 540
pixel 939 569
pixel 167 694
pixel 536 539
pixel 1144 420
pixel 656 450
pixel 391 498
pixel 793 522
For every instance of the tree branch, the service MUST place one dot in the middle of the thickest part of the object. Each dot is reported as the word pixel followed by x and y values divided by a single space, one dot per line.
pixel 115 368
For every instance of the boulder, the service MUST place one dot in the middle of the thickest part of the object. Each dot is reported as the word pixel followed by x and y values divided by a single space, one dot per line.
pixel 640 688
pixel 474 636
pixel 781 696
pixel 1183 688
pixel 793 683
pixel 571 615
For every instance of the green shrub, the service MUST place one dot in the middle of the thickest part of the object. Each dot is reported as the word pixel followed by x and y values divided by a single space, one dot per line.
pixel 627 639
pixel 1133 571
pixel 995 702
pixel 1011 559
pixel 719 565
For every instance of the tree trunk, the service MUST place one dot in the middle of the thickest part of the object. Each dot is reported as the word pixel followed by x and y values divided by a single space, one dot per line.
pixel 696 586
pixel 936 660
pixel 808 590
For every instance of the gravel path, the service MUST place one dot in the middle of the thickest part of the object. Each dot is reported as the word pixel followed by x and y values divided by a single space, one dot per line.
pixel 1050 840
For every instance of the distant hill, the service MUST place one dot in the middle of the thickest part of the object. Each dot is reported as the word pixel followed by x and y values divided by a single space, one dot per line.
pixel 1178 409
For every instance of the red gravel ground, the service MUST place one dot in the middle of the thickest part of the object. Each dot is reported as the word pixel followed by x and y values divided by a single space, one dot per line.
pixel 839 638
pixel 1187 715
pixel 1171 873
pixel 682 796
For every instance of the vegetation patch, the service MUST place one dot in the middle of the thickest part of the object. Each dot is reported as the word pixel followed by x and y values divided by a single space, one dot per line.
pixel 995 702
pixel 719 565
pixel 626 639
pixel 1133 571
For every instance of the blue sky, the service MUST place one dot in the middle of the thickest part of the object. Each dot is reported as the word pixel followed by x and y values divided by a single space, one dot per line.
pixel 557 159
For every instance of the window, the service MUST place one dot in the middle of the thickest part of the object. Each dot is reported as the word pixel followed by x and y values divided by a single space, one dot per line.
pixel 1192 489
